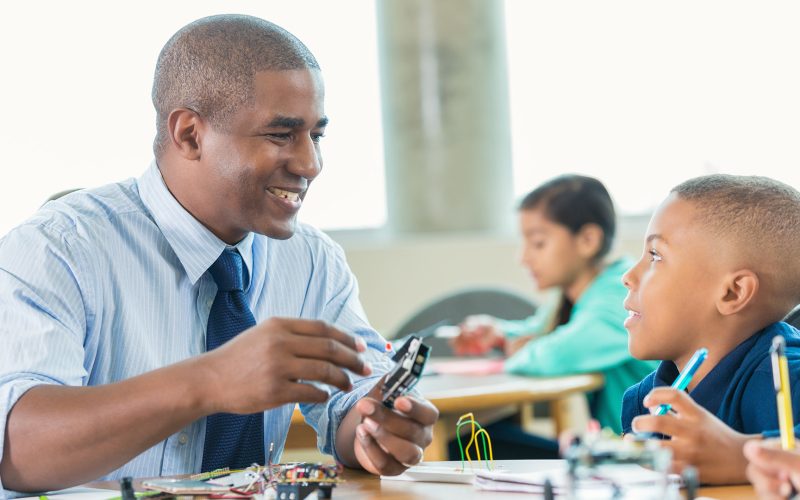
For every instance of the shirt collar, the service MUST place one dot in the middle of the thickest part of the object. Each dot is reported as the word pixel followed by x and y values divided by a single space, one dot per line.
pixel 196 247
pixel 710 391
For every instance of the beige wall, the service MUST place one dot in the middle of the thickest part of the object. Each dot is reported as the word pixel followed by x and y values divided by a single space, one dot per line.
pixel 399 276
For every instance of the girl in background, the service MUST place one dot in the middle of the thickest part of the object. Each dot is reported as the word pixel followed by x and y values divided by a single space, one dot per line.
pixel 568 226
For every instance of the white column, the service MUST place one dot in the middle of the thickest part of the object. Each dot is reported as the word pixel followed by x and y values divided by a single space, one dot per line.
pixel 445 115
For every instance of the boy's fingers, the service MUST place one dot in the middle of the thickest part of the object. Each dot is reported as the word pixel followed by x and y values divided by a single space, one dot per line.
pixel 766 456
pixel 662 424
pixel 680 401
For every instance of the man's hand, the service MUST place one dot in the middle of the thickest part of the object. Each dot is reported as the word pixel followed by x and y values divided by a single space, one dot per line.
pixel 771 470
pixel 478 335
pixel 261 368
pixel 387 441
pixel 698 437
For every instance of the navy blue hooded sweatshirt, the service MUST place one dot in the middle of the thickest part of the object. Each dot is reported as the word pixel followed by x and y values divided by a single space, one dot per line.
pixel 739 390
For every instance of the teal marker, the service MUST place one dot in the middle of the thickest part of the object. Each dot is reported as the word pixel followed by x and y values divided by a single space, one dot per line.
pixel 682 382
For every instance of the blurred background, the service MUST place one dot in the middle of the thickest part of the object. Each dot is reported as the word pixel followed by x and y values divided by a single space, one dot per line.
pixel 443 114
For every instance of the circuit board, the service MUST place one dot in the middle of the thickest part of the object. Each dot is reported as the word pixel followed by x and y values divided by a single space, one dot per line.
pixel 410 361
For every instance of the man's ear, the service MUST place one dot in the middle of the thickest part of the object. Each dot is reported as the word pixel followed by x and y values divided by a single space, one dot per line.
pixel 185 129
pixel 590 240
pixel 739 289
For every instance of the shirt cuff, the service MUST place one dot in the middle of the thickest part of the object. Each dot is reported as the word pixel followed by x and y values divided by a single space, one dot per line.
pixel 337 409
pixel 10 392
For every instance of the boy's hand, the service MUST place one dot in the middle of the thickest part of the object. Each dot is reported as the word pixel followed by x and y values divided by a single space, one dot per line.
pixel 388 441
pixel 771 469
pixel 698 437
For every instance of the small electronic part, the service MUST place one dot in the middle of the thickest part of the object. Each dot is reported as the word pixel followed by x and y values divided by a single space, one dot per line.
pixel 297 481
pixel 126 488
pixel 598 457
pixel 410 361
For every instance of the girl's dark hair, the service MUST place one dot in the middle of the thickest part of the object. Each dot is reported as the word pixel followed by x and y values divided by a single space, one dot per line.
pixel 574 201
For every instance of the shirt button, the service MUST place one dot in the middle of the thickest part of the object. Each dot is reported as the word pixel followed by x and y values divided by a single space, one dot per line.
pixel 183 438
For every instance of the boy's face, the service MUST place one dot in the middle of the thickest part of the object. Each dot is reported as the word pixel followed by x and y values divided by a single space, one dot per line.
pixel 671 289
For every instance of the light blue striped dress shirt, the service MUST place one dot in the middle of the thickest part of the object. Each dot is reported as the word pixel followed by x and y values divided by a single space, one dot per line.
pixel 109 283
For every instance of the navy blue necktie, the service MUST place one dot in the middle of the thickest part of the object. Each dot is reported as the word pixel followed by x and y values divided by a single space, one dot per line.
pixel 235 441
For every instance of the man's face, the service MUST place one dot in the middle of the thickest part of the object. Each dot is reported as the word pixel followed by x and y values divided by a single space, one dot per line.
pixel 549 250
pixel 671 290
pixel 257 171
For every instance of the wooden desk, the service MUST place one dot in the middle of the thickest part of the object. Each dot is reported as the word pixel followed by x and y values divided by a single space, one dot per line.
pixel 455 395
pixel 362 486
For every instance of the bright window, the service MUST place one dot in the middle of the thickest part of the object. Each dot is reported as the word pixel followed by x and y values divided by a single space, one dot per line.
pixel 644 95
pixel 77 112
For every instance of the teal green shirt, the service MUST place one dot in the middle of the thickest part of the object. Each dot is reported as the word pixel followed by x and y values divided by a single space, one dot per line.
pixel 594 340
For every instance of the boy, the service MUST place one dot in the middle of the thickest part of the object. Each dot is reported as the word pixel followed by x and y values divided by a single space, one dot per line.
pixel 721 267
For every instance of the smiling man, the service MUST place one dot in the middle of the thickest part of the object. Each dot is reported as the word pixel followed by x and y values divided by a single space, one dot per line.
pixel 168 324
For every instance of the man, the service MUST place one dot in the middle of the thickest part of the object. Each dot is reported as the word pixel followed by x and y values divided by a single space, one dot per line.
pixel 145 324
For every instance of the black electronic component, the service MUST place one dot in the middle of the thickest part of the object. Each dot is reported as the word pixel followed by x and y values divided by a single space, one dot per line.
pixel 126 488
pixel 410 359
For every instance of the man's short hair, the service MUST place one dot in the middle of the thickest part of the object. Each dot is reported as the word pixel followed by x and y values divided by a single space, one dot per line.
pixel 209 66
pixel 761 216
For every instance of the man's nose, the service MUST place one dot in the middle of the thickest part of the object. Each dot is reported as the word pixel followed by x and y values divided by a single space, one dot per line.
pixel 306 161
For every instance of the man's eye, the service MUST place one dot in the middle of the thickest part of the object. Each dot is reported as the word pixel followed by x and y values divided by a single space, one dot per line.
pixel 279 137
pixel 317 137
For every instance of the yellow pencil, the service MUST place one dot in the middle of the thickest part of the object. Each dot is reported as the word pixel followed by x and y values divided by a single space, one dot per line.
pixel 783 397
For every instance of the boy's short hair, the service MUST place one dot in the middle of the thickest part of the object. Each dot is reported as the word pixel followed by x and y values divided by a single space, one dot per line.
pixel 761 216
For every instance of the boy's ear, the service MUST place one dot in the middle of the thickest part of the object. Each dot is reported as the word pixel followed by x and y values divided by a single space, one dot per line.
pixel 185 129
pixel 590 240
pixel 739 290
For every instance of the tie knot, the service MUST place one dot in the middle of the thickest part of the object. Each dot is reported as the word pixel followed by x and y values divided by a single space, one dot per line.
pixel 228 271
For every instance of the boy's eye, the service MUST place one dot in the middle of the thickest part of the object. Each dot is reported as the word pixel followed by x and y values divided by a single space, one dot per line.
pixel 654 256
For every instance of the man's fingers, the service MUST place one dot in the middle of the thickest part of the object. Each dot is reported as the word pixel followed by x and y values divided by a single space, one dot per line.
pixel 382 461
pixel 421 411
pixel 680 401
pixel 304 393
pixel 395 423
pixel 316 328
pixel 404 451
pixel 330 350
pixel 320 371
